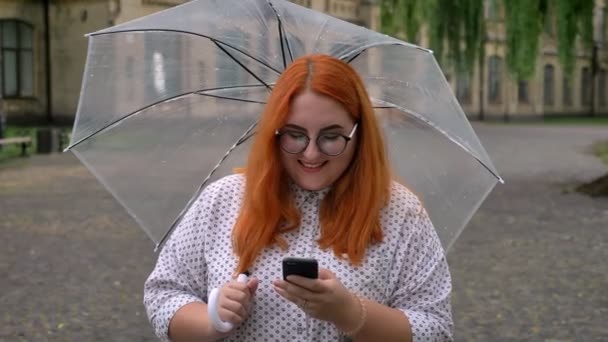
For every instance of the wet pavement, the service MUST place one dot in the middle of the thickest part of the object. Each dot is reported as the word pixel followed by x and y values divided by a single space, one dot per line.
pixel 530 266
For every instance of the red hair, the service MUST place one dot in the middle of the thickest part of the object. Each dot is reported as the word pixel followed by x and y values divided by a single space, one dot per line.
pixel 350 212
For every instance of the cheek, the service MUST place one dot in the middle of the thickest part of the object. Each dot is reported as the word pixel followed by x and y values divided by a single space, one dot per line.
pixel 287 159
pixel 345 159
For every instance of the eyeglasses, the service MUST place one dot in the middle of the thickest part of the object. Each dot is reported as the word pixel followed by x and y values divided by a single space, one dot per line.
pixel 331 144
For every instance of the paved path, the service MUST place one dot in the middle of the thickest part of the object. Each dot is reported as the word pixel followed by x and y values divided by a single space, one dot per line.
pixel 531 265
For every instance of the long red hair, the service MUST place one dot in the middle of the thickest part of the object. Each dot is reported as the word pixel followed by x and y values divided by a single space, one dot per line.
pixel 350 212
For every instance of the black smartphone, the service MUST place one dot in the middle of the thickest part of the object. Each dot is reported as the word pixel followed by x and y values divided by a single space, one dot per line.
pixel 305 267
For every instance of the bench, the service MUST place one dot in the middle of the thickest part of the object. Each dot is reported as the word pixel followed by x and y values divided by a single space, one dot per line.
pixel 25 142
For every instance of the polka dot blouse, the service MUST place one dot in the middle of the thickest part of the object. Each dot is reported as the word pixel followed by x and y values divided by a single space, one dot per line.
pixel 407 271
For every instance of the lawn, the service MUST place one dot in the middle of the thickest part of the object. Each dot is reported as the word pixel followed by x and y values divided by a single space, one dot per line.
pixel 574 120
pixel 12 151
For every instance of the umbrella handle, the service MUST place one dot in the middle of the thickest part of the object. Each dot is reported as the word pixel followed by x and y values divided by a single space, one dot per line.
pixel 212 308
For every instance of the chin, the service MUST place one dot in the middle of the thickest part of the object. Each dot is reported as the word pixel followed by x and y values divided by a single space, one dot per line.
pixel 312 185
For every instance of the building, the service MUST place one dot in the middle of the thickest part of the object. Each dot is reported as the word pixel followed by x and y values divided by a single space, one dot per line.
pixel 43 52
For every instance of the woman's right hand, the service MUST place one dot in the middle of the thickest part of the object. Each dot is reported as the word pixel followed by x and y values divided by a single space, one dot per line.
pixel 235 300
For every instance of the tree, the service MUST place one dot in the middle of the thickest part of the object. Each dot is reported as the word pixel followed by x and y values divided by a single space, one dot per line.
pixel 459 26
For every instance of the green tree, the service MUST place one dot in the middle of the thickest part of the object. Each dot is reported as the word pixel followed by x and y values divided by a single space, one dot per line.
pixel 458 26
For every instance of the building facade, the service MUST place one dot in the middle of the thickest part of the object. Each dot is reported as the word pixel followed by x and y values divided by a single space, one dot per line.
pixel 43 51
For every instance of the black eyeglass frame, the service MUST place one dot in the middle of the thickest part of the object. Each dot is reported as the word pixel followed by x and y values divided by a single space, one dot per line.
pixel 347 139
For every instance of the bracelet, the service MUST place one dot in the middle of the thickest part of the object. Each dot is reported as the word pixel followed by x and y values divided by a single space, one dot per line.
pixel 362 318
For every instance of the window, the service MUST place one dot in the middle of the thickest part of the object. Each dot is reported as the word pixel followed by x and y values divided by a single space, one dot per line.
pixel 549 85
pixel 494 78
pixel 463 88
pixel 585 87
pixel 16 46
pixel 601 88
pixel 160 63
pixel 523 93
pixel 566 92
pixel 491 9
pixel 229 72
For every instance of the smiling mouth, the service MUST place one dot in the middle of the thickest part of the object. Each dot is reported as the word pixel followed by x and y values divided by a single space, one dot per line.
pixel 310 166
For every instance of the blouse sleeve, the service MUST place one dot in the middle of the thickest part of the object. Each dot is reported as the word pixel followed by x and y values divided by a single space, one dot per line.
pixel 180 272
pixel 423 280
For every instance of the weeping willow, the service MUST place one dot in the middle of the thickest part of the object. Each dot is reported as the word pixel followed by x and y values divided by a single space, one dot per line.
pixel 574 18
pixel 453 24
pixel 404 17
pixel 524 22
pixel 456 29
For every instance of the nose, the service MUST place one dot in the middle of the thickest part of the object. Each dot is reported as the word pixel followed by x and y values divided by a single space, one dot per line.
pixel 311 153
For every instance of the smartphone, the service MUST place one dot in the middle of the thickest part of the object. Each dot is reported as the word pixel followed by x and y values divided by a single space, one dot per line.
pixel 305 267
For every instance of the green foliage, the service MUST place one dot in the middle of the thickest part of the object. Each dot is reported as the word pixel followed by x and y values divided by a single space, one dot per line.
pixel 574 18
pixel 524 22
pixel 404 17
pixel 458 25
pixel 13 151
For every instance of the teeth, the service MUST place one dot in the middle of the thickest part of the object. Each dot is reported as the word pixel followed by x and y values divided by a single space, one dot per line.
pixel 311 166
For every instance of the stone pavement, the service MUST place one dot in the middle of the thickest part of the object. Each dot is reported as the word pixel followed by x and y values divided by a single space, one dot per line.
pixel 530 266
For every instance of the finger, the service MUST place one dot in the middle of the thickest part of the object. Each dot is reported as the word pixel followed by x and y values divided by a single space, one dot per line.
pixel 252 285
pixel 325 274
pixel 237 286
pixel 313 285
pixel 288 296
pixel 228 315
pixel 296 293
pixel 235 307
pixel 238 296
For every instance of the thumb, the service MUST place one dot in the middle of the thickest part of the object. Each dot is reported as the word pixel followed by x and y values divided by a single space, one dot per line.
pixel 325 274
pixel 252 284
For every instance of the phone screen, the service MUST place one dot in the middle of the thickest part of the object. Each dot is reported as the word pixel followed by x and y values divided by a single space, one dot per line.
pixel 305 267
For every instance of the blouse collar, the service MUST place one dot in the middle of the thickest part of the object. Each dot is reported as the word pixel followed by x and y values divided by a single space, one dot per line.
pixel 302 195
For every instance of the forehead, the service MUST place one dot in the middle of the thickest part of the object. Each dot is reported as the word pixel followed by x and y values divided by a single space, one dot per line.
pixel 311 110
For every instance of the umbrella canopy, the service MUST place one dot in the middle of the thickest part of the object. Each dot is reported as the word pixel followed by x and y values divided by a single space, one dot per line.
pixel 169 101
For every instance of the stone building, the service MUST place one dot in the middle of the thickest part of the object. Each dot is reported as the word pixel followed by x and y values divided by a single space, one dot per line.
pixel 43 52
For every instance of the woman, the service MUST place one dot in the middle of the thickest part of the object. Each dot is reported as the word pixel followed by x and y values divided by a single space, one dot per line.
pixel 317 185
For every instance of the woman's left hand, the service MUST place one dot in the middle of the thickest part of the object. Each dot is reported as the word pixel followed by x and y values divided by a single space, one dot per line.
pixel 324 298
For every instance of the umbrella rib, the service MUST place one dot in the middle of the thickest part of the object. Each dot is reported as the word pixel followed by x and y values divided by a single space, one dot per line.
pixel 146 107
pixel 355 56
pixel 241 64
pixel 194 34
pixel 248 134
pixel 421 118
pixel 280 24
pixel 230 98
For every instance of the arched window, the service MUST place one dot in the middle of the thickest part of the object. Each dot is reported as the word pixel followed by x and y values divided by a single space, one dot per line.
pixel 601 87
pixel 585 87
pixel 494 79
pixel 549 85
pixel 523 93
pixel 463 88
pixel 566 91
pixel 16 49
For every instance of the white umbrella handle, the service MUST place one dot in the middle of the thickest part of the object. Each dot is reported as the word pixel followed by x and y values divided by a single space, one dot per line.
pixel 212 308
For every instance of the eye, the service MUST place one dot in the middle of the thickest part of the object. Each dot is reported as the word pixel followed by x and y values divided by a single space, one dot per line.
pixel 330 137
pixel 295 135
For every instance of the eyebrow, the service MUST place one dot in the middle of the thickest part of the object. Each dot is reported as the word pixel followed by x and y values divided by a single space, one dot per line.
pixel 328 128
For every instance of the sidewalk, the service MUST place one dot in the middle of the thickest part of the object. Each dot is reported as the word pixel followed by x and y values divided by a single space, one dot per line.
pixel 531 265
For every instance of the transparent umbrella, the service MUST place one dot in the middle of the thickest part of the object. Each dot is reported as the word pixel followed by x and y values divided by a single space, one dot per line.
pixel 169 102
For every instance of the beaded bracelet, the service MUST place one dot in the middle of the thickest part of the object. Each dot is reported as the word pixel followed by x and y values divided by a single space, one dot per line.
pixel 359 326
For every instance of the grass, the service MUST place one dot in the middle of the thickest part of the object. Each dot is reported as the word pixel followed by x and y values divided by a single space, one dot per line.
pixel 574 120
pixel 10 153
pixel 601 150
pixel 601 120
pixel 13 151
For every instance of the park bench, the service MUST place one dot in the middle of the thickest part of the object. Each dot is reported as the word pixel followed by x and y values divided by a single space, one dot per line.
pixel 25 142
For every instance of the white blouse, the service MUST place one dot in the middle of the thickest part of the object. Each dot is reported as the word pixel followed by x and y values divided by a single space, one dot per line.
pixel 407 271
